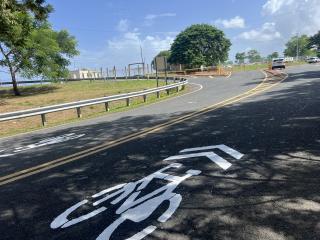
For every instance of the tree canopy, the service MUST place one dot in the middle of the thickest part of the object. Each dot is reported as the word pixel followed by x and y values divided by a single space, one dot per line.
pixel 302 43
pixel 28 45
pixel 314 42
pixel 272 55
pixel 200 44
pixel 240 57
pixel 253 56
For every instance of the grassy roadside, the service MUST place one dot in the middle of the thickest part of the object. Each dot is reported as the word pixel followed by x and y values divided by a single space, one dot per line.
pixel 241 68
pixel 33 123
pixel 56 93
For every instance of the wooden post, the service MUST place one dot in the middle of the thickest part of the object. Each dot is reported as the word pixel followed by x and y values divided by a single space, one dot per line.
pixel 43 120
pixel 143 69
pixel 129 73
pixel 79 112
pixel 158 94
pixel 144 98
pixel 128 102
pixel 106 105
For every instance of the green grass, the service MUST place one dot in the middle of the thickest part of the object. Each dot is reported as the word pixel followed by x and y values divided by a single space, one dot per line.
pixel 33 123
pixel 238 68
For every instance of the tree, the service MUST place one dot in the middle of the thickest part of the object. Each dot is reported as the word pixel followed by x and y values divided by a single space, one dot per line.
pixel 273 55
pixel 300 43
pixel 314 42
pixel 28 44
pixel 253 56
pixel 200 44
pixel 240 57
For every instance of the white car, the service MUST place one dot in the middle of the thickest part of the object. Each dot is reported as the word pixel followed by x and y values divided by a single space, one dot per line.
pixel 278 63
pixel 313 60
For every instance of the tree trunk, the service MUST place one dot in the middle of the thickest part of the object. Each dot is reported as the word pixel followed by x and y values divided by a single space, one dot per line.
pixel 14 83
pixel 12 72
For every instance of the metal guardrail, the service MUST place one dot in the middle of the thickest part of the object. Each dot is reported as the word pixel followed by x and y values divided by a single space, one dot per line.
pixel 42 111
pixel 66 80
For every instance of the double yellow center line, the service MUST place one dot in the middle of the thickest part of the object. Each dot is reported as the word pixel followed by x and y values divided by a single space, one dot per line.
pixel 266 84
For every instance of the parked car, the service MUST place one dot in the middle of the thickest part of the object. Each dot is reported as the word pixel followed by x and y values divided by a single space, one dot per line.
pixel 313 60
pixel 278 63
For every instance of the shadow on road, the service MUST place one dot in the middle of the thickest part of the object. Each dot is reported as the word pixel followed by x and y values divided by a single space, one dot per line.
pixel 272 193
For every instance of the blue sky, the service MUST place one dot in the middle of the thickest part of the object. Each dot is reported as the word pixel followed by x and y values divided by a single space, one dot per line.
pixel 110 32
pixel 102 25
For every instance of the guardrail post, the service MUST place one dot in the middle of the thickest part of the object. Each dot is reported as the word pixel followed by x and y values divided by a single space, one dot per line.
pixel 43 120
pixel 79 112
pixel 106 105
pixel 128 102
pixel 177 89
pixel 144 98
pixel 168 91
pixel 158 94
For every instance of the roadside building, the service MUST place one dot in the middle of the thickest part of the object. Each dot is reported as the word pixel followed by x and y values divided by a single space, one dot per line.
pixel 84 73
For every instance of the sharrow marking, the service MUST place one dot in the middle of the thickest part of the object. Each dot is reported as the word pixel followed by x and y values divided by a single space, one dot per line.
pixel 234 153
pixel 224 164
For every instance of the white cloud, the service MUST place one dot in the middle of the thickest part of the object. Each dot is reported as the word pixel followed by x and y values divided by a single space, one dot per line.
pixel 290 17
pixel 267 32
pixel 274 6
pixel 150 18
pixel 154 16
pixel 123 25
pixel 125 49
pixel 236 22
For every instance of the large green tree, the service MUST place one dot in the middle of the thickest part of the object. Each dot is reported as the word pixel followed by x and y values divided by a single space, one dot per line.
pixel 254 56
pixel 240 57
pixel 314 42
pixel 28 45
pixel 200 44
pixel 300 44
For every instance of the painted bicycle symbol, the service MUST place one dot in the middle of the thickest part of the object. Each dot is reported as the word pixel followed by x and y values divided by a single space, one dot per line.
pixel 137 207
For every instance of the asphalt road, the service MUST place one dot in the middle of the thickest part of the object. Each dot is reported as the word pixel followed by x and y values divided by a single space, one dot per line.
pixel 269 192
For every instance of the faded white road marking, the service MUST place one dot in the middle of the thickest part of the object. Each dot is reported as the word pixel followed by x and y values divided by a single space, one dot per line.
pixel 211 77
pixel 44 142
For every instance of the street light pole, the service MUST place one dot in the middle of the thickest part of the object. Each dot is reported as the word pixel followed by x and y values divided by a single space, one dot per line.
pixel 297 57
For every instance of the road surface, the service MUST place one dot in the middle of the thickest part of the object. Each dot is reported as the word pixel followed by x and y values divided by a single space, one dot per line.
pixel 142 174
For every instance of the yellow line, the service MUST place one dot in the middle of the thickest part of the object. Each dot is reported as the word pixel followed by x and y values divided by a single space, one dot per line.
pixel 58 162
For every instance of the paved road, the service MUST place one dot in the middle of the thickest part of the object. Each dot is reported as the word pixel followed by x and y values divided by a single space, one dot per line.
pixel 269 192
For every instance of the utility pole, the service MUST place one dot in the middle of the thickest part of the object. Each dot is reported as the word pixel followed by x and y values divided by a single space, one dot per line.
pixel 165 69
pixel 297 58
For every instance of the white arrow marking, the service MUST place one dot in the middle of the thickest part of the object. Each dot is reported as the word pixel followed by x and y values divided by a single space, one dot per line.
pixel 224 164
pixel 234 153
